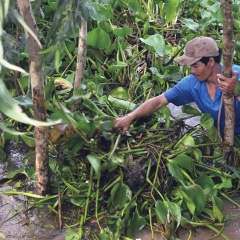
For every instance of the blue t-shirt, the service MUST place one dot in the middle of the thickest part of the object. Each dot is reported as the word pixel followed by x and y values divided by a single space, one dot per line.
pixel 189 89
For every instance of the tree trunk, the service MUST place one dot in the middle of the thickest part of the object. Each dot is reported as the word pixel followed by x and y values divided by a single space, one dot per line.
pixel 81 58
pixel 228 99
pixel 39 101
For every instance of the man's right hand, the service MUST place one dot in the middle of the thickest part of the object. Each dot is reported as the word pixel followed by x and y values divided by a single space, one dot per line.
pixel 123 123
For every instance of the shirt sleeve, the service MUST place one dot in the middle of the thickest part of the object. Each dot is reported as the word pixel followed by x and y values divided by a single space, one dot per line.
pixel 182 92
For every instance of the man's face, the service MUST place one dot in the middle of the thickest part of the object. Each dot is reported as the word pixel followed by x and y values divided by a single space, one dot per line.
pixel 201 71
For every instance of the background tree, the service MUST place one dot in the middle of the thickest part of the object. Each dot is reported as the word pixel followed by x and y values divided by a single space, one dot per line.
pixel 228 99
pixel 38 95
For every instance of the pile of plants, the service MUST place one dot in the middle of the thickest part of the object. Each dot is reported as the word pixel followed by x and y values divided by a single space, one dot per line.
pixel 162 174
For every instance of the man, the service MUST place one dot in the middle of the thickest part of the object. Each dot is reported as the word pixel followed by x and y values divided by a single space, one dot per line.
pixel 203 86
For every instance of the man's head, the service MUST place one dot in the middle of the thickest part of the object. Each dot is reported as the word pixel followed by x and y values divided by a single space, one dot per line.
pixel 197 49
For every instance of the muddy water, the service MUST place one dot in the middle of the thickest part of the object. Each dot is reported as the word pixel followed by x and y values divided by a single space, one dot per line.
pixel 17 222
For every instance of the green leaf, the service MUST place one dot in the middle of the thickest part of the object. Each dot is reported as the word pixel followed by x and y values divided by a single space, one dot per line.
pixel 114 67
pixel 122 32
pixel 10 66
pixel 24 101
pixel 195 198
pixel 175 211
pixel 186 140
pixel 120 93
pixel 11 109
pixel 100 12
pixel 176 172
pixel 171 8
pixel 137 223
pixel 164 208
pixel 207 121
pixel 119 103
pixel 218 206
pixel 120 196
pixel 184 161
pixel 190 110
pixel 189 23
pixel 98 38
pixel 134 5
pixel 96 164
pixel 28 140
pixel 161 211
pixel 157 42
pixel 2 154
pixel 207 184
pixel 87 127
pixel 78 201
pixel 11 130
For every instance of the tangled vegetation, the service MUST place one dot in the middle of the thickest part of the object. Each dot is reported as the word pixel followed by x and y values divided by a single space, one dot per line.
pixel 162 174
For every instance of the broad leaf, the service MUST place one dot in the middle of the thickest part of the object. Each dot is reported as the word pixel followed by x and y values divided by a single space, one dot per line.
pixel 120 196
pixel 176 172
pixel 184 161
pixel 98 38
pixel 157 42
pixel 190 110
pixel 207 121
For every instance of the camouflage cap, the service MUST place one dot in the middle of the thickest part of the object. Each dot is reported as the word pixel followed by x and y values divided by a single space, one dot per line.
pixel 196 49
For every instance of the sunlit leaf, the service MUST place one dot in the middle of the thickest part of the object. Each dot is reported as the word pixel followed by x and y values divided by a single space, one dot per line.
pixel 175 212
pixel 119 103
pixel 120 93
pixel 157 42
pixel 10 66
pixel 100 12
pixel 171 8
pixel 11 109
pixel 98 38
pixel 10 130
pixel 189 23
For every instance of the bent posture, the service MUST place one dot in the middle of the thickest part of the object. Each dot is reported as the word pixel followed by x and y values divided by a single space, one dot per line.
pixel 203 86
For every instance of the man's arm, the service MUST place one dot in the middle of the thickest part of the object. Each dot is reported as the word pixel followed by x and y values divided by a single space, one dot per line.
pixel 148 107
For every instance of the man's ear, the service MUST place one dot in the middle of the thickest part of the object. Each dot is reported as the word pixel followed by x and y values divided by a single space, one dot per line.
pixel 211 61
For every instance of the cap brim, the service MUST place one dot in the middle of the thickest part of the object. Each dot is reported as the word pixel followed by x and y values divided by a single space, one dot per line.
pixel 186 60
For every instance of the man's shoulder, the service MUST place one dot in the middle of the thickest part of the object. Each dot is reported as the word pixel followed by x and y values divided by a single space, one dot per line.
pixel 236 67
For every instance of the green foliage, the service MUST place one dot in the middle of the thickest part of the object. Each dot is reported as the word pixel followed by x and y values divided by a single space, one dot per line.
pixel 161 173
